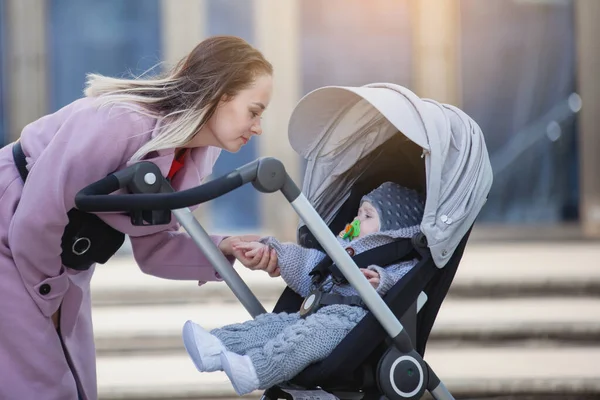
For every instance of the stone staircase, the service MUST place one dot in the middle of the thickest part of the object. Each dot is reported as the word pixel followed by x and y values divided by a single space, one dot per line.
pixel 521 321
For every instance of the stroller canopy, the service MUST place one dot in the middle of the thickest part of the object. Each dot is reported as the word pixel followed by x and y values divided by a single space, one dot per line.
pixel 337 128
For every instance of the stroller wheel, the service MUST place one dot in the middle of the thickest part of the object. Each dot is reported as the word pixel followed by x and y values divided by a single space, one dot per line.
pixel 401 376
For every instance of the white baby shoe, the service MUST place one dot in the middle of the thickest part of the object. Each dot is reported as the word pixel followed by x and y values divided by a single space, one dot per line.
pixel 204 349
pixel 240 371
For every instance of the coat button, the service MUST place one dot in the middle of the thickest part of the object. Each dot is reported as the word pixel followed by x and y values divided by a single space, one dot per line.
pixel 45 289
pixel 350 251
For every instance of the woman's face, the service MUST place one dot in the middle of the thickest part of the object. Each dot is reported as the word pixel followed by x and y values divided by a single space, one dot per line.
pixel 237 119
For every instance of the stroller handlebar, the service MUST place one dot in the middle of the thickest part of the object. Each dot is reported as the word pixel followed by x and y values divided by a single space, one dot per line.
pixel 149 191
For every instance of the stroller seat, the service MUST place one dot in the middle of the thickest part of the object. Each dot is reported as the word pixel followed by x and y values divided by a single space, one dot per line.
pixel 356 367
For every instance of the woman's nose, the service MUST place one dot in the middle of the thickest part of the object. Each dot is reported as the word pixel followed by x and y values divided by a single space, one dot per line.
pixel 256 129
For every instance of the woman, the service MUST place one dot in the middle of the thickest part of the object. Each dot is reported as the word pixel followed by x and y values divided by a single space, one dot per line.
pixel 212 100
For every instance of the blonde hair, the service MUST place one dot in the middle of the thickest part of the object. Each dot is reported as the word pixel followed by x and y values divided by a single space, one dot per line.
pixel 186 96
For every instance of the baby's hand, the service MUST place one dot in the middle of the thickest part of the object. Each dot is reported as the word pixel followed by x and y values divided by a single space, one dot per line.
pixel 372 277
pixel 250 249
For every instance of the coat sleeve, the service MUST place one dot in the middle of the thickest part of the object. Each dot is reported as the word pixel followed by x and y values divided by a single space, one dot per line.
pixel 174 255
pixel 295 263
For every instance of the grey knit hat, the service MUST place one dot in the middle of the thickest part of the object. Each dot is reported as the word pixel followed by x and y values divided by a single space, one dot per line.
pixel 398 207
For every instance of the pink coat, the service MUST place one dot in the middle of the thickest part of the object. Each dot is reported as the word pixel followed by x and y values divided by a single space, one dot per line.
pixel 66 151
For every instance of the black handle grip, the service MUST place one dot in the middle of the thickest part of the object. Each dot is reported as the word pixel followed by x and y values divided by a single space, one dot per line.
pixel 103 186
pixel 151 192
pixel 96 197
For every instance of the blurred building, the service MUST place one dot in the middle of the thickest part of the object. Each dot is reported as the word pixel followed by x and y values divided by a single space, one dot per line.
pixel 523 69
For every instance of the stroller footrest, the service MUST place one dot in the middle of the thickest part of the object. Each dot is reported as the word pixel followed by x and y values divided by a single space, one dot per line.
pixel 285 393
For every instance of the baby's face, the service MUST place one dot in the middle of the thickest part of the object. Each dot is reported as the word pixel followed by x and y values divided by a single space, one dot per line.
pixel 369 219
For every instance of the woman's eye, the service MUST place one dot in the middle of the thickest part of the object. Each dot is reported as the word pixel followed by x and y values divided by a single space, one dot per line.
pixel 254 114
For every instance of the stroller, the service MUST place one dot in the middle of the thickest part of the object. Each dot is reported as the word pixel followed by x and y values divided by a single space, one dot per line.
pixel 354 139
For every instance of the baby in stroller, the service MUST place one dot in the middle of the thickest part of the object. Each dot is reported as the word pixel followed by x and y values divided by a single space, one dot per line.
pixel 273 348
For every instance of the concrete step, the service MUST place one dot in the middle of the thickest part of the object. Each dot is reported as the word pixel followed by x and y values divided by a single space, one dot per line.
pixel 504 270
pixel 474 371
pixel 529 269
pixel 521 321
pixel 120 282
pixel 461 322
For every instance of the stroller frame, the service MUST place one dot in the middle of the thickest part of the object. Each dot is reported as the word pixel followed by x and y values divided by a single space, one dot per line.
pixel 152 196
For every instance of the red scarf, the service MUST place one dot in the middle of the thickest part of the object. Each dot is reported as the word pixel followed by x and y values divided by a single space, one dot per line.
pixel 177 165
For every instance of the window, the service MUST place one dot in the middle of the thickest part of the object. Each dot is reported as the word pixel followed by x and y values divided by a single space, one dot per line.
pixel 518 69
pixel 352 43
pixel 238 210
pixel 111 37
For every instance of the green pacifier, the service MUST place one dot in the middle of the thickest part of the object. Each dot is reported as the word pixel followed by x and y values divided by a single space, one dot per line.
pixel 352 230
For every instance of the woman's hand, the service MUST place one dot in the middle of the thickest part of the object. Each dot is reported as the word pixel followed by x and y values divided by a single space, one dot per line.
pixel 372 277
pixel 251 253
pixel 257 252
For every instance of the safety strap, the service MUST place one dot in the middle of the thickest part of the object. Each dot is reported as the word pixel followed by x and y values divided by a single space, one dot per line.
pixel 387 254
pixel 328 299
pixel 317 299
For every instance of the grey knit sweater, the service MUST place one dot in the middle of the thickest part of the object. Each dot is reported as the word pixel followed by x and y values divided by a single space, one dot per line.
pixel 296 262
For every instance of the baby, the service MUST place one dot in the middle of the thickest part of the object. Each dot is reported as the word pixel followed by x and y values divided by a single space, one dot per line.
pixel 273 348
